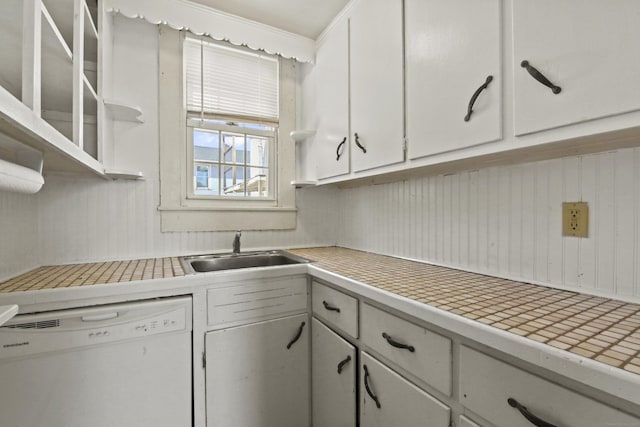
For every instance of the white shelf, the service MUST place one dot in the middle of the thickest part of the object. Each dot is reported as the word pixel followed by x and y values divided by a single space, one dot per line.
pixel 301 135
pixel 302 184
pixel 116 174
pixel 123 112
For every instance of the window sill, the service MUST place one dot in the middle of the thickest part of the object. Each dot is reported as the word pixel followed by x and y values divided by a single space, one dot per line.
pixel 226 219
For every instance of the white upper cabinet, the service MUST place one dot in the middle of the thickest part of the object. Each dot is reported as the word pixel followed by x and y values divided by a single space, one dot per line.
pixel 332 96
pixel 587 49
pixel 453 74
pixel 377 104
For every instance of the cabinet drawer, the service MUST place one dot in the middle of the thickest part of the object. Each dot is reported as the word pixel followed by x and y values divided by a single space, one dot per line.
pixel 327 301
pixel 400 403
pixel 486 384
pixel 429 355
pixel 256 299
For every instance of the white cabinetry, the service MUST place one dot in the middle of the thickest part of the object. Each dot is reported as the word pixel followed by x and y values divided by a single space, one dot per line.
pixel 587 49
pixel 331 143
pixel 49 97
pixel 333 369
pixel 453 54
pixel 506 395
pixel 258 375
pixel 387 399
pixel 377 102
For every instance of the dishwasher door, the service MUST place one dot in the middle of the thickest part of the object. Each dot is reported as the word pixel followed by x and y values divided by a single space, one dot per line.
pixel 125 365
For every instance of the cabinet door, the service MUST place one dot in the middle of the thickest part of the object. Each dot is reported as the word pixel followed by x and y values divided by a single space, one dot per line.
pixel 254 378
pixel 332 71
pixel 377 105
pixel 452 48
pixel 333 371
pixel 400 403
pixel 587 48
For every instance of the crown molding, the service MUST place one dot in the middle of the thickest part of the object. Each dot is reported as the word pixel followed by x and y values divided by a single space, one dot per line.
pixel 202 20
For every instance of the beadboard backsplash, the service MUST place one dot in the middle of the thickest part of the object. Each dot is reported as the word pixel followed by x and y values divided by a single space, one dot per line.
pixel 89 220
pixel 507 221
pixel 18 233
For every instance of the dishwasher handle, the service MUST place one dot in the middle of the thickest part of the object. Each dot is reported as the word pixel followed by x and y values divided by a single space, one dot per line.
pixel 99 317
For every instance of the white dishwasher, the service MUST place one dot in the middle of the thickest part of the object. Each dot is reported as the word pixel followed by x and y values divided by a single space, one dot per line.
pixel 119 365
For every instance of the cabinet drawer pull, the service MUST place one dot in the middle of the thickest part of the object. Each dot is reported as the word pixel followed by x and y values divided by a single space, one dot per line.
pixel 344 362
pixel 297 337
pixel 364 150
pixel 338 153
pixel 396 344
pixel 330 307
pixel 540 77
pixel 366 385
pixel 528 415
pixel 474 97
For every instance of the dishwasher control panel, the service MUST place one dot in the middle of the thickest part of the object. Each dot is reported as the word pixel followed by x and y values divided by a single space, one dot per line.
pixel 68 329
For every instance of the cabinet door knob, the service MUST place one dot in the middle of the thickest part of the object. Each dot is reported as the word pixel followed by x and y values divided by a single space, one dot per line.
pixel 396 344
pixel 330 307
pixel 297 337
pixel 540 77
pixel 364 150
pixel 474 97
pixel 342 363
pixel 528 415
pixel 366 385
pixel 338 152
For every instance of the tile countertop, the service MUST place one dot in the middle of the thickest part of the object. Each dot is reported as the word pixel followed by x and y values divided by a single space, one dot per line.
pixel 602 329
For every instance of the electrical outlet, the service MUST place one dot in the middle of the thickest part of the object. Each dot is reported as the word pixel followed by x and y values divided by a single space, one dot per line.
pixel 575 219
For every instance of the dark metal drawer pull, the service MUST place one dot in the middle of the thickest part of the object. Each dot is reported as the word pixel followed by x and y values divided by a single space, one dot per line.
pixel 475 97
pixel 540 77
pixel 330 307
pixel 528 415
pixel 396 344
pixel 338 153
pixel 297 337
pixel 366 385
pixel 364 150
pixel 344 362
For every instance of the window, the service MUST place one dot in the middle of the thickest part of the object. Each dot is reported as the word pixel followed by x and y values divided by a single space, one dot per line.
pixel 225 112
pixel 231 100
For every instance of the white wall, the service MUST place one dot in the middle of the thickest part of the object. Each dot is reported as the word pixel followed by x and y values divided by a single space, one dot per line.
pixel 18 234
pixel 507 221
pixel 87 219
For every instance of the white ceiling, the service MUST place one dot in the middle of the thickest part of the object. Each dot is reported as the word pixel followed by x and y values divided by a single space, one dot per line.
pixel 305 17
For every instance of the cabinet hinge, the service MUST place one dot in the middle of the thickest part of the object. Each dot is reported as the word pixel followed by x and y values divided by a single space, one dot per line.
pixel 204 360
pixel 404 145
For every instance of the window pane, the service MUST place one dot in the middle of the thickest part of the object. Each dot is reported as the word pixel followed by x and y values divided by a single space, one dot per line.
pixel 233 148
pixel 205 180
pixel 206 145
pixel 257 153
pixel 257 182
pixel 234 181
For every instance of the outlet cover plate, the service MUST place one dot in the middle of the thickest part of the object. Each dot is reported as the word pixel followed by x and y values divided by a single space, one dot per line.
pixel 575 219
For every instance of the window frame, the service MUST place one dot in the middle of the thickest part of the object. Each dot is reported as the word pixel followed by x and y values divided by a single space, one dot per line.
pixel 179 212
pixel 193 123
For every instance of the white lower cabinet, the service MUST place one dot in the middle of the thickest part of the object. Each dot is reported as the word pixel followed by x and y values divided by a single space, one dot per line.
pixel 508 396
pixel 258 375
pixel 333 373
pixel 466 422
pixel 387 399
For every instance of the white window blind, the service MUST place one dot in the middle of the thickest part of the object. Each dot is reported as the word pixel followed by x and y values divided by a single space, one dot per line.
pixel 224 80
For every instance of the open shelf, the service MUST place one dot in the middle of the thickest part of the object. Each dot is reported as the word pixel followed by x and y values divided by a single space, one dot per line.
pixel 301 135
pixel 302 184
pixel 123 112
pixel 62 13
pixel 11 22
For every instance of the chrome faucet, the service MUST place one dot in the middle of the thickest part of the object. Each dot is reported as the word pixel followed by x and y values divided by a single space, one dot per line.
pixel 236 243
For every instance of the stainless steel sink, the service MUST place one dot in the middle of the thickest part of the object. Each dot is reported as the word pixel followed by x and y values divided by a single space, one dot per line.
pixel 219 262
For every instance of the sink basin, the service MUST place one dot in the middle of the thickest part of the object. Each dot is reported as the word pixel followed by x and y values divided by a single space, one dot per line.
pixel 220 262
